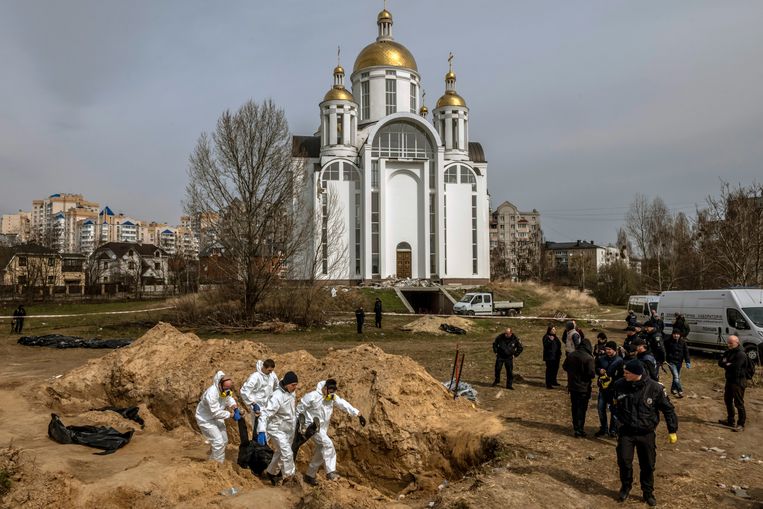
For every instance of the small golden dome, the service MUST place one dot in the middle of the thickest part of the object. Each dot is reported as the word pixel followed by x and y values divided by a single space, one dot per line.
pixel 423 111
pixel 338 69
pixel 450 76
pixel 385 53
pixel 338 94
pixel 384 15
pixel 451 99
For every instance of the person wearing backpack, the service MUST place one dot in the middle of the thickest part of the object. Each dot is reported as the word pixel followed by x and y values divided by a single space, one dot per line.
pixel 738 371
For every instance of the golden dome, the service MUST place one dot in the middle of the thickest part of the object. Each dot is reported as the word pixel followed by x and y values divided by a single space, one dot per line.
pixel 385 53
pixel 451 99
pixel 338 94
pixel 384 15
pixel 450 76
pixel 338 69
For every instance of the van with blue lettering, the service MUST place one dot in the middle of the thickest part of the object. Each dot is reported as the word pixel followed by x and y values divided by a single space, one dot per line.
pixel 714 315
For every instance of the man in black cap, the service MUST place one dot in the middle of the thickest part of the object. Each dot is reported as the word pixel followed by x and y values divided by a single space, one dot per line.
pixel 631 334
pixel 579 366
pixel 646 358
pixel 638 402
pixel 609 368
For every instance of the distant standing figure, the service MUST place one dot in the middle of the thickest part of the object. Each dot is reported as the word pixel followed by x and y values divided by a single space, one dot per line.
pixel 13 320
pixel 360 317
pixel 506 346
pixel 552 354
pixel 571 337
pixel 631 320
pixel 20 314
pixel 378 312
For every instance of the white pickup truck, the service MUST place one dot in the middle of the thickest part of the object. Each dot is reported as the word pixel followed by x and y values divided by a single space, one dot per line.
pixel 482 303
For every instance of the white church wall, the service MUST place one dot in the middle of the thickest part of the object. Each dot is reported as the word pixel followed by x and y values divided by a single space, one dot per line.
pixel 341 261
pixel 459 230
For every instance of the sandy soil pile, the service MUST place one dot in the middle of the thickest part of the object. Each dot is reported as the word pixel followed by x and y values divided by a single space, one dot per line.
pixel 430 324
pixel 416 433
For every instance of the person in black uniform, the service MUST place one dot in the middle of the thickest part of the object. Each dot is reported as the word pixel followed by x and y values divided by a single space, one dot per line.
pixel 552 354
pixel 377 312
pixel 638 401
pixel 734 361
pixel 506 346
pixel 360 317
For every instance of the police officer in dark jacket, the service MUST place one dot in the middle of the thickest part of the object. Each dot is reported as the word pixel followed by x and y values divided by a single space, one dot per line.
pixel 654 342
pixel 506 346
pixel 579 366
pixel 631 336
pixel 734 361
pixel 609 368
pixel 657 321
pixel 552 354
pixel 646 359
pixel 679 324
pixel 638 403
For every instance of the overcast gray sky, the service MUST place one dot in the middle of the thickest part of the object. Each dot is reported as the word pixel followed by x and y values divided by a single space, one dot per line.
pixel 578 105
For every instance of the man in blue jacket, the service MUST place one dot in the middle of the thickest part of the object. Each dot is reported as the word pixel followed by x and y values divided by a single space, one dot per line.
pixel 609 368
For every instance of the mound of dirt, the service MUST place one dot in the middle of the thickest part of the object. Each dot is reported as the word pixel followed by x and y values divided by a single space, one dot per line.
pixel 416 432
pixel 430 324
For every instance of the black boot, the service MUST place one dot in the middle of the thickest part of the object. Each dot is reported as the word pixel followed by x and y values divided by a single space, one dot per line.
pixel 650 500
pixel 623 495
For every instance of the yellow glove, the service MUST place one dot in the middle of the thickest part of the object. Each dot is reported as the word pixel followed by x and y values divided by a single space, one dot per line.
pixel 672 438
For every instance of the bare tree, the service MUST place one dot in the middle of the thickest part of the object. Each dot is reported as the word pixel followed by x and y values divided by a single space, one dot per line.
pixel 244 173
pixel 731 235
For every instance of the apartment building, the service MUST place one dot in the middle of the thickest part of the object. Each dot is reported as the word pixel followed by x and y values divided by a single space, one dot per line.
pixel 16 228
pixel 50 225
pixel 515 242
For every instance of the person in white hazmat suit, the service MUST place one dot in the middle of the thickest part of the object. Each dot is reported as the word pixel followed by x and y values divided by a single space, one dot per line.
pixel 260 385
pixel 211 414
pixel 278 418
pixel 320 404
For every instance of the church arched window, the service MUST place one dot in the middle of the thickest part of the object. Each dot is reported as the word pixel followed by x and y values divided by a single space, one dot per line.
pixel 402 140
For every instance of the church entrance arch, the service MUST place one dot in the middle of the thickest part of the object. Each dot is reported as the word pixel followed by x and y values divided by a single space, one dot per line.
pixel 403 257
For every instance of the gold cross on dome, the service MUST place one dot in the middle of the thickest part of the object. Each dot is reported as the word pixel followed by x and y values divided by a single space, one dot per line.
pixel 338 53
pixel 450 61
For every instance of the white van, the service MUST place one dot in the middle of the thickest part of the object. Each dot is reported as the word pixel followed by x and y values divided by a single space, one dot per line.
pixel 643 305
pixel 713 315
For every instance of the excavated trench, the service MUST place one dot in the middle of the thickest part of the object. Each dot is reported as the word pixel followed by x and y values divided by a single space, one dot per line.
pixel 416 436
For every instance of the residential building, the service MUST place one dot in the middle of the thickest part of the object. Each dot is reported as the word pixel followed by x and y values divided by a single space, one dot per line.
pixel 30 265
pixel 16 228
pixel 130 264
pixel 582 256
pixel 515 242
pixel 49 224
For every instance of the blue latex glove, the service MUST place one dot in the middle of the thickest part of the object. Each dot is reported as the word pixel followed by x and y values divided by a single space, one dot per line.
pixel 256 408
pixel 688 365
pixel 236 415
pixel 261 438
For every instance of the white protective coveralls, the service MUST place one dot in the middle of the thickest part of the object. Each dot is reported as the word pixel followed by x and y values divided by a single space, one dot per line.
pixel 258 387
pixel 278 419
pixel 210 416
pixel 314 404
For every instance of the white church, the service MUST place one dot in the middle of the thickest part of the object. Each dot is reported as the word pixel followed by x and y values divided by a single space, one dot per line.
pixel 412 191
